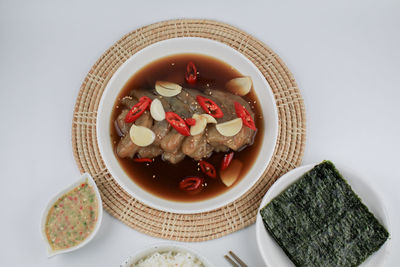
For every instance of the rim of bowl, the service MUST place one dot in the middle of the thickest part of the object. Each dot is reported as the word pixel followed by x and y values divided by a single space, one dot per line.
pixel 84 177
pixel 166 206
pixel 162 247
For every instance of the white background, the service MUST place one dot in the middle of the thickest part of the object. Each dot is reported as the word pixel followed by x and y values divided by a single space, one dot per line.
pixel 345 56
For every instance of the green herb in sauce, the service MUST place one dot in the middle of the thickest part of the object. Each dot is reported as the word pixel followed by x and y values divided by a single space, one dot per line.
pixel 72 217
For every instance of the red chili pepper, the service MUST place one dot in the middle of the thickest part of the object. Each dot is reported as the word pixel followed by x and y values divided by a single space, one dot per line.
pixel 244 114
pixel 190 121
pixel 209 106
pixel 177 122
pixel 190 183
pixel 142 160
pixel 138 109
pixel 191 73
pixel 227 160
pixel 208 169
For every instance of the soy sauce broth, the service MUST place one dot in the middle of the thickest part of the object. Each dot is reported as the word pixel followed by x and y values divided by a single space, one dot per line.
pixel 162 178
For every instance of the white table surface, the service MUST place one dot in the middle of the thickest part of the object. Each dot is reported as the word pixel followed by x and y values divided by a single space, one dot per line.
pixel 345 56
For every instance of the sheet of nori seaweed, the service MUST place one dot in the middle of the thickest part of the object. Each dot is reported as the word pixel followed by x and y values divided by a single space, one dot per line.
pixel 320 221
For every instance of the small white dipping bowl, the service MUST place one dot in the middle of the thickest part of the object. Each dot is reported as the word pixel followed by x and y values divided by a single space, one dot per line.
pixel 85 177
pixel 187 46
pixel 162 247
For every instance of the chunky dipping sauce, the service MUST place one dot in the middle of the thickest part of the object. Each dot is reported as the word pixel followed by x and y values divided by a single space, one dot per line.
pixel 72 217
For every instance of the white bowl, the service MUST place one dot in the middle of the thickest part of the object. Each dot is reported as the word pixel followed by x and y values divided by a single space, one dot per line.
pixel 272 253
pixel 85 177
pixel 162 247
pixel 179 46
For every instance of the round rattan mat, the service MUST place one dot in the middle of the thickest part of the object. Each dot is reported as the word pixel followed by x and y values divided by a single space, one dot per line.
pixel 200 226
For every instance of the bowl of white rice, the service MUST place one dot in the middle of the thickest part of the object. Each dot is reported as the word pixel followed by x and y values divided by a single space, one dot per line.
pixel 166 255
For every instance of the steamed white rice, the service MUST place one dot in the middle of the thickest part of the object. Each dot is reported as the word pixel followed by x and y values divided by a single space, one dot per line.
pixel 169 259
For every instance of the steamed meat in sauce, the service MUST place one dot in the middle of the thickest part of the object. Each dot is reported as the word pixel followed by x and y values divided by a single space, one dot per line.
pixel 187 127
pixel 172 145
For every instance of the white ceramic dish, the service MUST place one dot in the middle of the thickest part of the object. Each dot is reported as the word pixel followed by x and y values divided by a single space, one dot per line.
pixel 162 247
pixel 85 177
pixel 179 46
pixel 272 253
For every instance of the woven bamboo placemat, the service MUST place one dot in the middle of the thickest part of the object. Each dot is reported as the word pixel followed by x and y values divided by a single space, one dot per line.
pixel 201 226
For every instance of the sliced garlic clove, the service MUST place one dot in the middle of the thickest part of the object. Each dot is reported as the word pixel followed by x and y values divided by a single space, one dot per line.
pixel 157 110
pixel 239 86
pixel 168 89
pixel 141 136
pixel 231 173
pixel 230 128
pixel 200 125
pixel 196 116
pixel 209 118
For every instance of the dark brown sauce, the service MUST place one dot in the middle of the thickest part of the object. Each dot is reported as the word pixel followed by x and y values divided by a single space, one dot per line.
pixel 162 178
